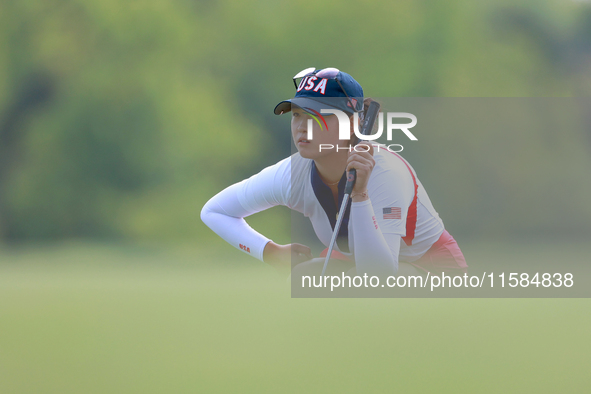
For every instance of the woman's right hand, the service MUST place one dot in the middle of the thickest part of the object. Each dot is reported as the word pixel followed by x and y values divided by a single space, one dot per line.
pixel 282 257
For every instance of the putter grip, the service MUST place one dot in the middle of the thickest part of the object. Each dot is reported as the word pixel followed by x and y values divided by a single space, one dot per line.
pixel 370 118
pixel 372 113
pixel 351 178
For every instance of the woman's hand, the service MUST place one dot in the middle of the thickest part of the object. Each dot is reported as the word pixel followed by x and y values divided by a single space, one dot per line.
pixel 282 257
pixel 363 162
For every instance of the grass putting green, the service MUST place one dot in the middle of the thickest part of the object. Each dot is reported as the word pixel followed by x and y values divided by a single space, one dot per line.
pixel 90 319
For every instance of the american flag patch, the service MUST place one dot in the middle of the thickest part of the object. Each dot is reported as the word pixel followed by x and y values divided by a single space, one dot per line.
pixel 392 213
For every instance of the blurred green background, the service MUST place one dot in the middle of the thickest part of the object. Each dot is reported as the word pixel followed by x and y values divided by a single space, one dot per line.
pixel 112 115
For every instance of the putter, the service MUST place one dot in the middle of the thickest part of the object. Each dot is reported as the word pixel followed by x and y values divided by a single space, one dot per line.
pixel 366 126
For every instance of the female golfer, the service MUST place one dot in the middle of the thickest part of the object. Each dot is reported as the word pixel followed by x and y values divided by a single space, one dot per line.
pixel 389 227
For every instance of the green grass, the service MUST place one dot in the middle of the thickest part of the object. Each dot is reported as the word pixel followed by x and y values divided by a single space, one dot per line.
pixel 88 319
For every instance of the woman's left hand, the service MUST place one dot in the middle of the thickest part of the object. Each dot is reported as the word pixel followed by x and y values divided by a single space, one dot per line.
pixel 363 162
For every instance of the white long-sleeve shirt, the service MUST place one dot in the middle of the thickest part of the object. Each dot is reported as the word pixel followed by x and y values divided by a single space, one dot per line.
pixel 397 223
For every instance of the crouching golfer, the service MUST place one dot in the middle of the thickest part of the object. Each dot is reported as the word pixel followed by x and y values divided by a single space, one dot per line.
pixel 389 227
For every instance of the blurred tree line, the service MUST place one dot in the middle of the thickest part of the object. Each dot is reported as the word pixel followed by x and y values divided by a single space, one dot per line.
pixel 119 119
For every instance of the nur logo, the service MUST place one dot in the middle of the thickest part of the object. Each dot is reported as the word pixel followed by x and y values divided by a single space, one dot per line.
pixel 310 111
pixel 344 123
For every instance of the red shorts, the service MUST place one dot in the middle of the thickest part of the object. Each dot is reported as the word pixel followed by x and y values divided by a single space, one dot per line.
pixel 443 256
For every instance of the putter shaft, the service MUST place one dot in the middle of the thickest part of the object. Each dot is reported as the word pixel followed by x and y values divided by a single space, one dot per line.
pixel 366 127
pixel 335 233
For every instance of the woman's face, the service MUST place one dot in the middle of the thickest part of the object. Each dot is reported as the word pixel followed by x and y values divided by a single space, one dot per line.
pixel 311 149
